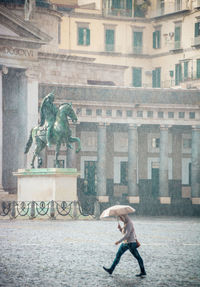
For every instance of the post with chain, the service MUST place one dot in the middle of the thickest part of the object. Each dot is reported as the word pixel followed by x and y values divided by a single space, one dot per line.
pixel 13 211
pixel 52 210
pixel 75 213
pixel 97 209
pixel 32 213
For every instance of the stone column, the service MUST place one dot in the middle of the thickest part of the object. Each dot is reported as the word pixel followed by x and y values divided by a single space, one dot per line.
pixel 3 70
pixel 163 170
pixel 71 153
pixel 101 163
pixel 195 180
pixel 31 89
pixel 1 133
pixel 132 164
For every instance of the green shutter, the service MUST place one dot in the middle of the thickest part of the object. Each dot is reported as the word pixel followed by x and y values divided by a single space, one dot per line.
pixel 110 37
pixel 80 36
pixel 153 79
pixel 137 77
pixel 197 29
pixel 178 74
pixel 87 37
pixel 129 4
pixel 158 77
pixel 154 40
pixel 198 68
pixel 158 39
pixel 137 39
pixel 177 34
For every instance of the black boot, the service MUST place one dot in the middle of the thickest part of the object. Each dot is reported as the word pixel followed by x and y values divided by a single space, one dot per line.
pixel 142 273
pixel 109 270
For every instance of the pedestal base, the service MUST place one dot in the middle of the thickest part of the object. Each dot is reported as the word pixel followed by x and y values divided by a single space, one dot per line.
pixel 46 184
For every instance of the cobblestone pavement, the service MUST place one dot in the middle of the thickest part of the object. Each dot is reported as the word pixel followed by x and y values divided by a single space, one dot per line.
pixel 72 253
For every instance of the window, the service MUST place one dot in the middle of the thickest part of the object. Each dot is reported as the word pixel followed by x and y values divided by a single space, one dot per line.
pixel 88 112
pixel 99 112
pixel 190 173
pixel 155 142
pixel 170 115
pixel 177 36
pixel 119 113
pixel 137 42
pixel 187 143
pixel 178 74
pixel 161 7
pixel 156 78
pixel 178 5
pixel 129 113
pixel 150 114
pixel 124 172
pixel 181 115
pixel 198 68
pixel 83 36
pixel 192 115
pixel 156 39
pixel 108 112
pixel 197 29
pixel 139 114
pixel 160 114
pixel 185 67
pixel 121 7
pixel 137 77
pixel 109 40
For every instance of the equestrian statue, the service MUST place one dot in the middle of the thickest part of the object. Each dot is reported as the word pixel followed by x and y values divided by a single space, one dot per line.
pixel 53 129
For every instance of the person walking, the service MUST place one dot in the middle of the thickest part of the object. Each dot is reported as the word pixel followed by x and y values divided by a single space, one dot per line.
pixel 129 243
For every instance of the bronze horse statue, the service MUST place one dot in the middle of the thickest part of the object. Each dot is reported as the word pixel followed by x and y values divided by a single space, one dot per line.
pixel 61 133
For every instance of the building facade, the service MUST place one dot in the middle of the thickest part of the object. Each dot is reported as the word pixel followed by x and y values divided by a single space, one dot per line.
pixel 131 73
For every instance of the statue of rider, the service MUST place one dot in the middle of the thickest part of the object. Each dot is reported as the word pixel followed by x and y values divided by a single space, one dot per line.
pixel 48 113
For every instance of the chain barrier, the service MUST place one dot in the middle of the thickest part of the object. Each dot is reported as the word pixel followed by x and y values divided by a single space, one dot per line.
pixel 52 209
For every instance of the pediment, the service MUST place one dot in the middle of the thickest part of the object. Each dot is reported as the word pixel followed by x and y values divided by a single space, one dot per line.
pixel 17 31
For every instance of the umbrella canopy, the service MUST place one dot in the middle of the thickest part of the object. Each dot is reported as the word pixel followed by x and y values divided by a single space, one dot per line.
pixel 117 210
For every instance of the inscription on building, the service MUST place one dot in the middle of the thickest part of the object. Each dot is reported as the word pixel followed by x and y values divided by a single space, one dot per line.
pixel 17 52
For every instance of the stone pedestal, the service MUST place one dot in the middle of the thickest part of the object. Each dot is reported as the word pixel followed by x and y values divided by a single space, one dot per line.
pixel 46 184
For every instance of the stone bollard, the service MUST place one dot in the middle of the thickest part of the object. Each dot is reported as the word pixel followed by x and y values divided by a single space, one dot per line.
pixel 52 210
pixel 97 209
pixel 75 212
pixel 13 211
pixel 32 213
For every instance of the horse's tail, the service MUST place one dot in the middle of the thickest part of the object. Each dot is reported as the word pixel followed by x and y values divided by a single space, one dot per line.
pixel 29 143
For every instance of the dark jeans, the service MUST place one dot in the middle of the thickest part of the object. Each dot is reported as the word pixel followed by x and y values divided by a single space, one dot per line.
pixel 132 248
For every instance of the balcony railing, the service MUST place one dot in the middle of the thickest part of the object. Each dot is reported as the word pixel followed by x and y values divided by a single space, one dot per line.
pixel 118 12
pixel 196 41
pixel 170 8
pixel 138 50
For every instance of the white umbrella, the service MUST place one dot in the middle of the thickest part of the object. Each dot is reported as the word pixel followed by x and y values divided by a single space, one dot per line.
pixel 117 210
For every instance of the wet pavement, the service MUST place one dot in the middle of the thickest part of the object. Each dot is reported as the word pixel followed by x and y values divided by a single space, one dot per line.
pixel 72 253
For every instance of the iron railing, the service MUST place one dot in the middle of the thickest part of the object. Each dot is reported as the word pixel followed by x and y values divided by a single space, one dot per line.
pixel 52 209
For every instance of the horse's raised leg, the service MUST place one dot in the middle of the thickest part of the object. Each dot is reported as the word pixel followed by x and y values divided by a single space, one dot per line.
pixel 74 139
pixel 57 153
pixel 33 160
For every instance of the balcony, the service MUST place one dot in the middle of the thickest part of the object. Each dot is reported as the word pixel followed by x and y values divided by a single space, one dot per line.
pixel 196 42
pixel 196 4
pixel 170 8
pixel 118 12
pixel 138 50
pixel 176 47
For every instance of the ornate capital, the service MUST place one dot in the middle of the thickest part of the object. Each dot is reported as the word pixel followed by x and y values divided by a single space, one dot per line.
pixel 32 74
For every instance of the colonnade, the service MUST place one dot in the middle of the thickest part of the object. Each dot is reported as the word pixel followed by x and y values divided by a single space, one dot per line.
pixel 133 166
